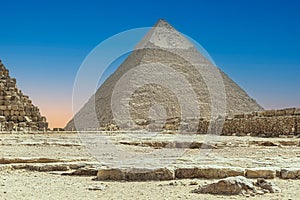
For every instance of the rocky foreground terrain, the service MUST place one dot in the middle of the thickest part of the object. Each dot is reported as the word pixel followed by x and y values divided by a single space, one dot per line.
pixel 59 166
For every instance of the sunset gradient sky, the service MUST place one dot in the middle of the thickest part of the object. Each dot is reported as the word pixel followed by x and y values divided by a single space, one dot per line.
pixel 257 43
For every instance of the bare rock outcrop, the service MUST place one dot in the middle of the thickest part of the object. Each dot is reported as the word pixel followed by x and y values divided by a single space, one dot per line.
pixel 229 186
pixel 267 186
pixel 238 185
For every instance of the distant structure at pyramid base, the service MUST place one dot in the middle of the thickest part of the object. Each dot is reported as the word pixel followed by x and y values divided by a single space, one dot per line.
pixel 164 80
pixel 17 113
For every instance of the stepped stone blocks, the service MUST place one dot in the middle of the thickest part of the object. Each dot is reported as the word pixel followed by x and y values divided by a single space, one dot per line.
pixel 269 123
pixel 16 109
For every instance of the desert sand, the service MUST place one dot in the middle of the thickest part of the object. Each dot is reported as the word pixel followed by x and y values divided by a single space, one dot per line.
pixel 39 166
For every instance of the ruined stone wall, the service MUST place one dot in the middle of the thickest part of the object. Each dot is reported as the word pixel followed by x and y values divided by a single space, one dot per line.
pixel 16 109
pixel 269 123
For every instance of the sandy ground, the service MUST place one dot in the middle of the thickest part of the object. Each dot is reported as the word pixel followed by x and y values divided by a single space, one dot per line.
pixel 38 185
pixel 230 151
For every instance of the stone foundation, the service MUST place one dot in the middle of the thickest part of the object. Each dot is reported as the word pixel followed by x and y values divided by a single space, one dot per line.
pixel 269 123
pixel 203 172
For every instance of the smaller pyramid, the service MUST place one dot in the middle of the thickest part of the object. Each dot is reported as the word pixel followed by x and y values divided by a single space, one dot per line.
pixel 17 113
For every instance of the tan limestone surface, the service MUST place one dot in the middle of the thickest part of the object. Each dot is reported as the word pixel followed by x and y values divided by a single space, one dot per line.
pixel 31 166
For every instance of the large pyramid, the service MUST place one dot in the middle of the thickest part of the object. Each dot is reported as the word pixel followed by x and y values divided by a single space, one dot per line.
pixel 17 113
pixel 163 77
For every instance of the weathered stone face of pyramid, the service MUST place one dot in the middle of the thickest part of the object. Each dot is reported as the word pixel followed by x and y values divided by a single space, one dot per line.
pixel 16 109
pixel 164 76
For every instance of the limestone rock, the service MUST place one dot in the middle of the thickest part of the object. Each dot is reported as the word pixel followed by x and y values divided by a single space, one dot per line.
pixel 10 160
pixel 269 123
pixel 215 172
pixel 136 174
pixel 237 186
pixel 111 174
pixel 229 186
pixel 86 171
pixel 209 172
pixel 62 168
pixel 2 118
pixel 47 167
pixel 267 185
pixel 97 187
pixel 191 172
pixel 13 160
pixel 150 174
pixel 262 172
pixel 16 109
pixel 290 173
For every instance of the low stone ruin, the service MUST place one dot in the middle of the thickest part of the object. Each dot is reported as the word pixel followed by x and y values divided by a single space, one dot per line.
pixel 17 113
pixel 269 123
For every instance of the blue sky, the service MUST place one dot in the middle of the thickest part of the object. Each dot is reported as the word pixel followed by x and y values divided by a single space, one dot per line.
pixel 257 43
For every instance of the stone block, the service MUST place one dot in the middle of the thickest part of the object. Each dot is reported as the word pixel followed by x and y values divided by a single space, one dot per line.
pixel 136 174
pixel 290 111
pixel 268 113
pixel 216 172
pixel 160 174
pixel 111 174
pixel 2 118
pixel 239 116
pixel 208 172
pixel 290 173
pixel 297 111
pixel 262 172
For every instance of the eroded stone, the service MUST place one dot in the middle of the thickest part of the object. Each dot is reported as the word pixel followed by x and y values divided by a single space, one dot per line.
pixel 229 186
pixel 290 173
pixel 261 172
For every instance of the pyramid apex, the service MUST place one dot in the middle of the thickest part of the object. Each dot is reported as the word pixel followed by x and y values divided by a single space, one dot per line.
pixel 162 23
pixel 165 36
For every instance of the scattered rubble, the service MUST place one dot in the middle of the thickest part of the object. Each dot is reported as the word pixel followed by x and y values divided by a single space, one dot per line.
pixel 238 186
pixel 290 173
pixel 97 187
pixel 229 186
pixel 267 186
